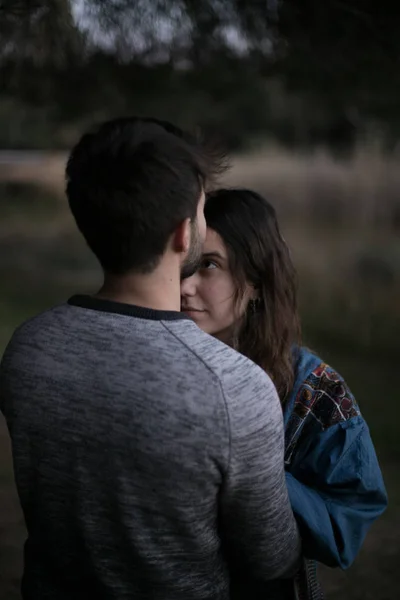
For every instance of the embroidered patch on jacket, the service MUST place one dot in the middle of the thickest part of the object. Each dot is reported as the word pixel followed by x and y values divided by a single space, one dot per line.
pixel 324 397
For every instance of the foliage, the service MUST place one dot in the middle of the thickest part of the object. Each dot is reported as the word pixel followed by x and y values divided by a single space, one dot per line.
pixel 305 72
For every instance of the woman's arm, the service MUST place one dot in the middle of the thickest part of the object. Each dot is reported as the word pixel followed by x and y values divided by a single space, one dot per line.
pixel 335 483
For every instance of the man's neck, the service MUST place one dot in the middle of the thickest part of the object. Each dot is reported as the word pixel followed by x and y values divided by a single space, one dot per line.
pixel 159 290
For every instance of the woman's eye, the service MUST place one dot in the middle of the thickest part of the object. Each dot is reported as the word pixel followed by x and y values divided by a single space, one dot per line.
pixel 208 264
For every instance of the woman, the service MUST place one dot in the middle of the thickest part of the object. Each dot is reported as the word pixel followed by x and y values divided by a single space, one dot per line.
pixel 244 293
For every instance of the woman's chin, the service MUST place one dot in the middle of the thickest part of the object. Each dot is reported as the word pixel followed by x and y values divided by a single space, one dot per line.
pixel 194 315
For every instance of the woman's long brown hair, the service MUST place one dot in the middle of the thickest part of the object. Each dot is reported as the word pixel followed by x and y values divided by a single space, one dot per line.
pixel 258 255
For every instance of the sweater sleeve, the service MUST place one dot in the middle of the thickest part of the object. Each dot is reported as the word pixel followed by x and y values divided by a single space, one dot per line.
pixel 335 483
pixel 259 529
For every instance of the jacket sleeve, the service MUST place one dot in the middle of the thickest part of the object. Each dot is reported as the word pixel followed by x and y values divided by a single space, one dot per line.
pixel 337 492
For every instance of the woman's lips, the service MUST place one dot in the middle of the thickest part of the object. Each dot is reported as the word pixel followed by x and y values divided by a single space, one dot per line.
pixel 189 309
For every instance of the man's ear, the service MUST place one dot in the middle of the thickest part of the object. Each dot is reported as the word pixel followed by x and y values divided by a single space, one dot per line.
pixel 181 237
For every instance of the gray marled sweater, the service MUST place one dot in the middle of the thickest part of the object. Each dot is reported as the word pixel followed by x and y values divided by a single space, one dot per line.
pixel 148 459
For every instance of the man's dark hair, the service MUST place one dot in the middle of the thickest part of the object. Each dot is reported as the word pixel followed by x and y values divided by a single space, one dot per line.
pixel 130 182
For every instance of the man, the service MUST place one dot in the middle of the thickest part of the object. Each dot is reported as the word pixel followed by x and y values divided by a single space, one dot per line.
pixel 148 456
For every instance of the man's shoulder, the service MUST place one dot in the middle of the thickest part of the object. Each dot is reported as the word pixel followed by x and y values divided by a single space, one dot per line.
pixel 205 347
pixel 250 397
pixel 32 336
pixel 234 370
pixel 38 321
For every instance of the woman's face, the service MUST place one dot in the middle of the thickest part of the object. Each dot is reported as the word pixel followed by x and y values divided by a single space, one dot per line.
pixel 208 296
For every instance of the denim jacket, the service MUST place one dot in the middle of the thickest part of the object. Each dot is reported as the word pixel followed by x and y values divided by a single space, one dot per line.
pixel 334 480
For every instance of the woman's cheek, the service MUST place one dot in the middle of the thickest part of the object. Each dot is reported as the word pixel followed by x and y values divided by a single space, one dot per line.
pixel 210 295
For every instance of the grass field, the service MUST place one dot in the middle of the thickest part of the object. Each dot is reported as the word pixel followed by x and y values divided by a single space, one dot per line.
pixel 342 221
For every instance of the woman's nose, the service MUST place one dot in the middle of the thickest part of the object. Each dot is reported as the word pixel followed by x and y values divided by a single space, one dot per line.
pixel 188 286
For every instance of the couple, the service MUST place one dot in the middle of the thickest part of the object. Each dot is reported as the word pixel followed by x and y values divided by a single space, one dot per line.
pixel 151 459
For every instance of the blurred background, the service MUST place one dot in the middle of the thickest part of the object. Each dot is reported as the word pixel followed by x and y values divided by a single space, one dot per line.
pixel 305 95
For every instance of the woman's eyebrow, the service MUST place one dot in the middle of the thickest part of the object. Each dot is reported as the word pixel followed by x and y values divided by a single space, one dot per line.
pixel 213 255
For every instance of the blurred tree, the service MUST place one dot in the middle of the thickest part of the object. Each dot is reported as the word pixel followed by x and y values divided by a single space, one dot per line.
pixel 37 31
pixel 346 53
pixel 211 62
